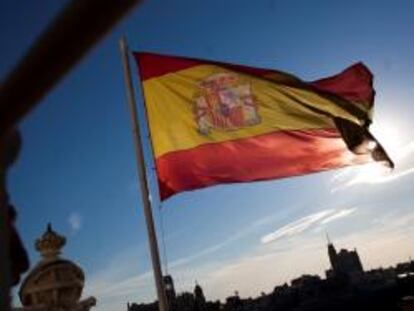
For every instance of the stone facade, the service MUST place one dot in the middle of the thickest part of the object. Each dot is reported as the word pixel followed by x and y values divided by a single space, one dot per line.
pixel 54 284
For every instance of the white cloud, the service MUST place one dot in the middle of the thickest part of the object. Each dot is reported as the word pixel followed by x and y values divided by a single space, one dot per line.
pixel 339 214
pixel 298 226
pixel 75 222
pixel 295 227
pixel 216 247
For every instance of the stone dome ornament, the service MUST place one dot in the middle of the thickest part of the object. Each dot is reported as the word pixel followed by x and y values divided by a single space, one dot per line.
pixel 54 284
pixel 50 244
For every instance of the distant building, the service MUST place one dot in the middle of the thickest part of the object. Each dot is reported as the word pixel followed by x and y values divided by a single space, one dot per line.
pixel 184 302
pixel 142 307
pixel 200 300
pixel 347 287
pixel 307 285
pixel 405 267
pixel 233 302
pixel 305 281
pixel 344 264
pixel 54 283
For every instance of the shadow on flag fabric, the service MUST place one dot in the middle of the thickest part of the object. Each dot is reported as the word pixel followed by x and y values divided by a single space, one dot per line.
pixel 212 123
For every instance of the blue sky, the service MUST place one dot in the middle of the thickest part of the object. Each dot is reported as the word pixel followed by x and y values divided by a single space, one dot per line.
pixel 77 166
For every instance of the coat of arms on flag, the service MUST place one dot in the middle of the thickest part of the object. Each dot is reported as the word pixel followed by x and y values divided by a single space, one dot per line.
pixel 225 103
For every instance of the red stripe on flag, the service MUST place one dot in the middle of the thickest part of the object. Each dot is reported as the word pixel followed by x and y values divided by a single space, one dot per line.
pixel 276 155
pixel 354 83
pixel 154 65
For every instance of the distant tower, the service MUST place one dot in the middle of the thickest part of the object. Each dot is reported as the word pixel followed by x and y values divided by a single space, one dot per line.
pixel 54 283
pixel 333 255
pixel 345 264
pixel 169 288
pixel 200 300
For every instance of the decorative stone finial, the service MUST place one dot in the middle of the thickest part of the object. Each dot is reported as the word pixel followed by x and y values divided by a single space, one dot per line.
pixel 50 244
pixel 54 283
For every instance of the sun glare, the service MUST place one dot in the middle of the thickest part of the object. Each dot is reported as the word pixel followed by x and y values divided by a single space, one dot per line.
pixel 389 137
pixel 369 173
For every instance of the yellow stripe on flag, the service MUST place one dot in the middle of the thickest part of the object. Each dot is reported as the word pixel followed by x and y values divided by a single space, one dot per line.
pixel 172 108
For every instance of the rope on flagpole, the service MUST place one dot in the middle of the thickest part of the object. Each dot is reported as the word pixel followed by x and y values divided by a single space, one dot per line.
pixel 164 247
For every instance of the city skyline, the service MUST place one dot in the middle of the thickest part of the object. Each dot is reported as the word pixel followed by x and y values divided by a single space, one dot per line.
pixel 323 274
pixel 77 170
pixel 345 280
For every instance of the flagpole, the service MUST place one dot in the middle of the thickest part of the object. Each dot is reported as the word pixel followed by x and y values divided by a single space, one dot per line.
pixel 146 204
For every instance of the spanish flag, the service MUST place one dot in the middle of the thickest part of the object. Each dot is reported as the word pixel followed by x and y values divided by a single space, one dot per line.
pixel 214 123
